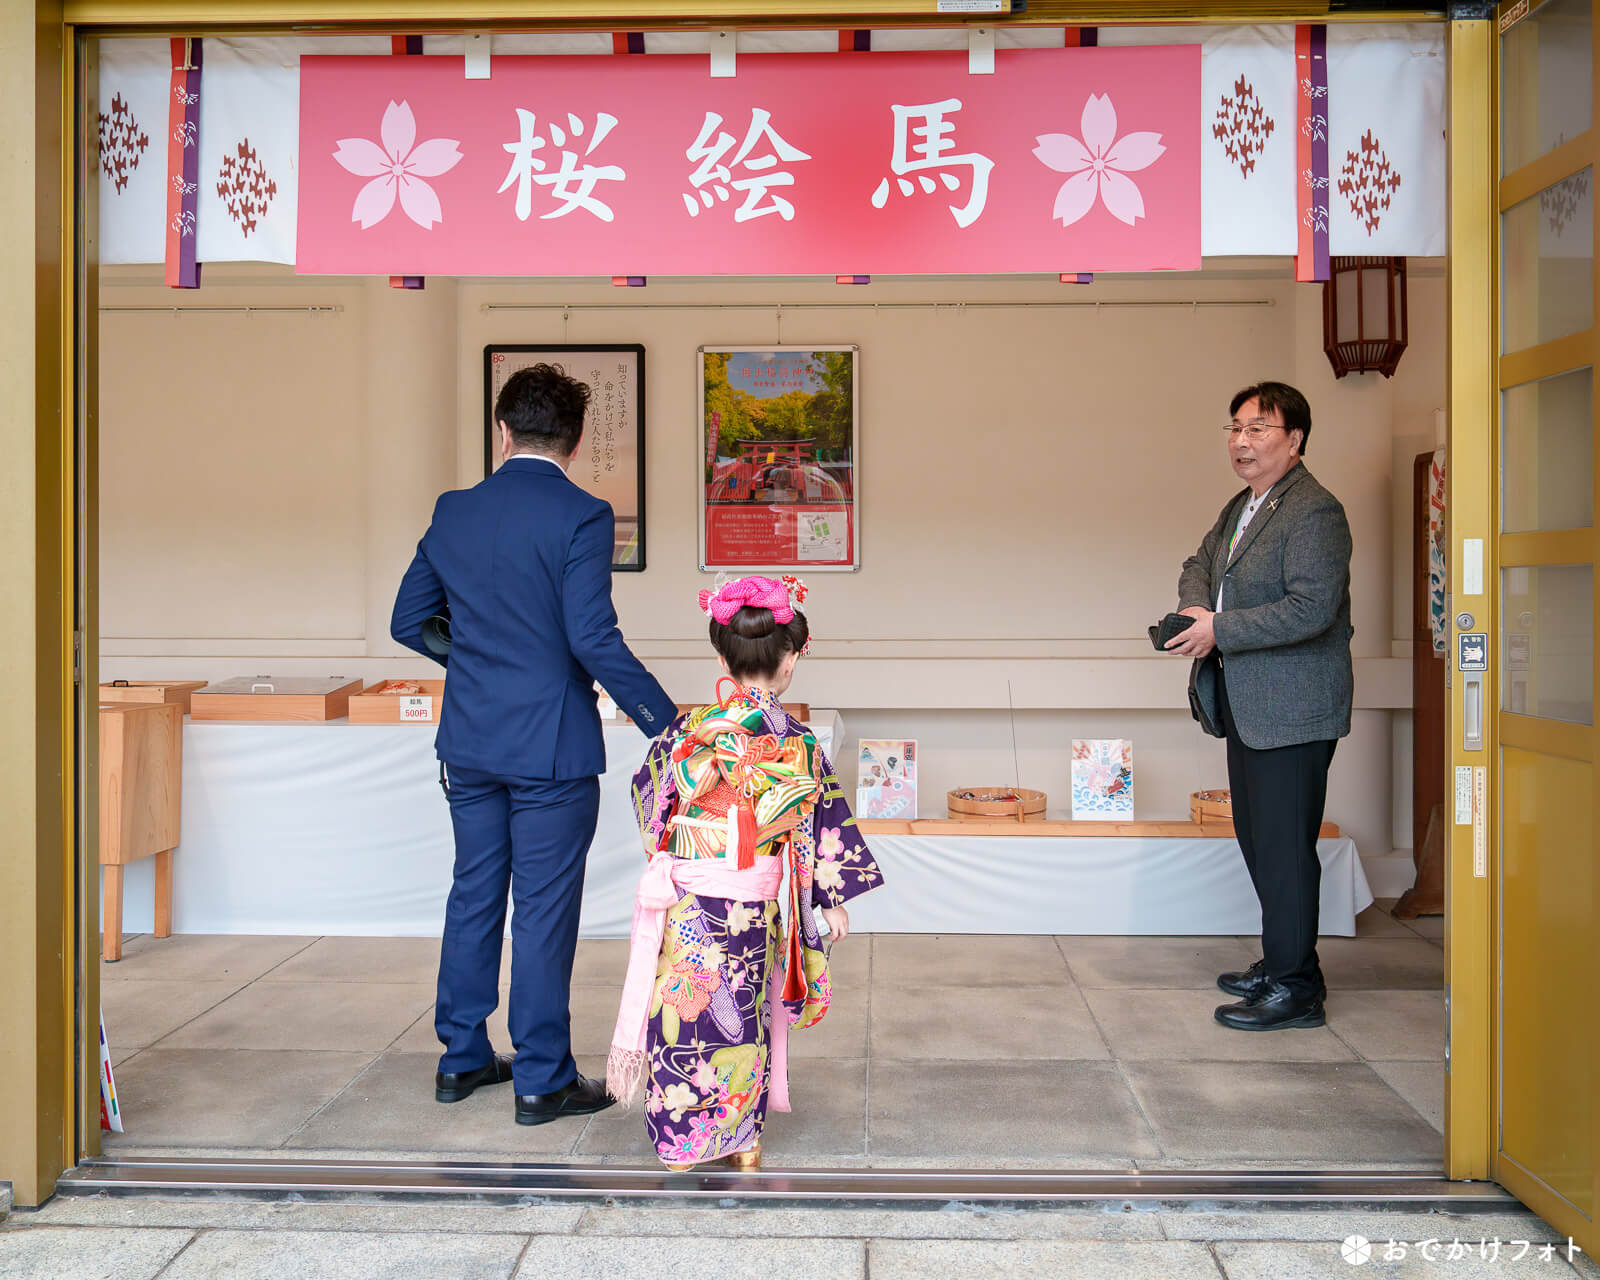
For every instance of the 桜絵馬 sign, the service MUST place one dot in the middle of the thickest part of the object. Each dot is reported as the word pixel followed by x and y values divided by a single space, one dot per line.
pixel 1062 160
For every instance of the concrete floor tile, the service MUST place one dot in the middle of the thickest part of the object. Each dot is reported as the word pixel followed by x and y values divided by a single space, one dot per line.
pixel 850 963
pixel 1178 1026
pixel 600 962
pixel 1012 1260
pixel 848 1222
pixel 1420 1083
pixel 970 1023
pixel 225 1097
pixel 594 1018
pixel 85 1253
pixel 1286 1261
pixel 966 960
pixel 1376 922
pixel 1190 963
pixel 362 960
pixel 1311 1226
pixel 392 1107
pixel 309 1215
pixel 1430 927
pixel 841 1034
pixel 365 1016
pixel 1390 1026
pixel 828 1120
pixel 1385 964
pixel 138 1014
pixel 315 1255
pixel 206 957
pixel 1338 1112
pixel 619 1258
pixel 1005 1110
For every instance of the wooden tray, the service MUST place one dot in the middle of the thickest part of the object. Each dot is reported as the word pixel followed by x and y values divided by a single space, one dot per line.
pixel 1211 806
pixel 274 698
pixel 1027 806
pixel 377 705
pixel 175 691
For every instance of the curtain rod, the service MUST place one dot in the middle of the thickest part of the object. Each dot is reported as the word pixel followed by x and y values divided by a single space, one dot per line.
pixel 1193 303
pixel 245 310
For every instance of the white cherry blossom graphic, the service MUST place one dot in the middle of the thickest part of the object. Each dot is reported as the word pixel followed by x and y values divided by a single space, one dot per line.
pixel 1099 164
pixel 397 168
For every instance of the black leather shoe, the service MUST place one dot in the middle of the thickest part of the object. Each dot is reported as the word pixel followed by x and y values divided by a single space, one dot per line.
pixel 454 1086
pixel 1274 1009
pixel 580 1098
pixel 1245 983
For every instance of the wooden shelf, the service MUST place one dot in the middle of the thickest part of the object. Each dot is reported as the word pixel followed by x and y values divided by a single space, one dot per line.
pixel 1175 830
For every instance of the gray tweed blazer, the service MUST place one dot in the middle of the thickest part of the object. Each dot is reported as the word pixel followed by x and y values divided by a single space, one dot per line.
pixel 1283 634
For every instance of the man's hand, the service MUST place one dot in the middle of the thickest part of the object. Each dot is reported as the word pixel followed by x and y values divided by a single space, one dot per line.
pixel 1197 640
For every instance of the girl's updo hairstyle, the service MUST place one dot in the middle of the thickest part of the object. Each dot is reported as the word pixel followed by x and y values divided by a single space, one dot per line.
pixel 754 642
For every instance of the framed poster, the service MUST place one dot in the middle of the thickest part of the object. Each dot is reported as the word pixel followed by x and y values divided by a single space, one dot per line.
pixel 610 458
pixel 779 437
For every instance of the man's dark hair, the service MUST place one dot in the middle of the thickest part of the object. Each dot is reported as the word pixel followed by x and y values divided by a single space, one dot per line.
pixel 544 409
pixel 1286 400
pixel 754 643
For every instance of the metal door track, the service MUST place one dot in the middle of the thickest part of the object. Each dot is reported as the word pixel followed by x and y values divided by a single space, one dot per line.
pixel 567 1183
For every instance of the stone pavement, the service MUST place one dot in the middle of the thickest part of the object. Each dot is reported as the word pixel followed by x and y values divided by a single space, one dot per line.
pixel 100 1238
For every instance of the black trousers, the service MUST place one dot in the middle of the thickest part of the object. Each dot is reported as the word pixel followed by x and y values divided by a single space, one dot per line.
pixel 1278 799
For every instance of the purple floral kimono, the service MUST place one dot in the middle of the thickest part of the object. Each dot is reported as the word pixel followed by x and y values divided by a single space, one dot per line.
pixel 707 1044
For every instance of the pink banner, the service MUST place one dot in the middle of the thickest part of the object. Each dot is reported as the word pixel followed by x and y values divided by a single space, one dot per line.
pixel 1076 159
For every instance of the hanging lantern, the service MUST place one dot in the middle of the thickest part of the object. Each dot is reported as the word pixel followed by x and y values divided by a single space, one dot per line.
pixel 1364 315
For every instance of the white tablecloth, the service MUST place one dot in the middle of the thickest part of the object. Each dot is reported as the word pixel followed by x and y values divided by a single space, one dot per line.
pixel 341 828
pixel 1058 884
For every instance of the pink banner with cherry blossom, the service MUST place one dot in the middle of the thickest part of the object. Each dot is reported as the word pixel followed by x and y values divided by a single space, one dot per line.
pixel 1073 159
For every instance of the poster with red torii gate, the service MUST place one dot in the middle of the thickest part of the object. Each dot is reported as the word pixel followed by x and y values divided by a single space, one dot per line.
pixel 1061 160
pixel 781 436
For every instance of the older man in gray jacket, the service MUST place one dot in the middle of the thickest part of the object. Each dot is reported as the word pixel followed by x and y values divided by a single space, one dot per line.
pixel 1269 592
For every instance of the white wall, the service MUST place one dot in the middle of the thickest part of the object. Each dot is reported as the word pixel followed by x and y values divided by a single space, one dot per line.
pixel 1032 477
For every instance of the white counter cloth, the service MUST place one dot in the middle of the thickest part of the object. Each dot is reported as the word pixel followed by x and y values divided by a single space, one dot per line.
pixel 340 828
pixel 1082 884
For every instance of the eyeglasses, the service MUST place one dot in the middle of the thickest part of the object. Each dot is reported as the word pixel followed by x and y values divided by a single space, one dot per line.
pixel 1254 432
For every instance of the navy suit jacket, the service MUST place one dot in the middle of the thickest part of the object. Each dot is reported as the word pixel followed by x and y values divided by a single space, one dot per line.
pixel 522 560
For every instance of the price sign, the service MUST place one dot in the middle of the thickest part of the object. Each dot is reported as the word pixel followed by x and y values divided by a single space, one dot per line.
pixel 414 707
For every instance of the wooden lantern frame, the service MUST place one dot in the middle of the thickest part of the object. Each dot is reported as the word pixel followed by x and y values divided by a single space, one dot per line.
pixel 1366 352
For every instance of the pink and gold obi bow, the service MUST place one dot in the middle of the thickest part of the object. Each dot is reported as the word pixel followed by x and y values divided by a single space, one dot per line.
pixel 737 790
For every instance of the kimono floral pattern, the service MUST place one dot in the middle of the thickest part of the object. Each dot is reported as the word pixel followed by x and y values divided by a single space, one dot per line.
pixel 709 1028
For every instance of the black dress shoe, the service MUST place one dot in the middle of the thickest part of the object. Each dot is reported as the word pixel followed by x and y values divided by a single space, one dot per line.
pixel 580 1098
pixel 1245 983
pixel 1274 1009
pixel 454 1086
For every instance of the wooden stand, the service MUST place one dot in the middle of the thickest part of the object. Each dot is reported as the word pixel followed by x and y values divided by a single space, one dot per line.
pixel 1428 765
pixel 141 764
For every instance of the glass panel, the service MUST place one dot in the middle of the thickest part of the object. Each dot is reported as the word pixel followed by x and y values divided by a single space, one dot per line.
pixel 1547 974
pixel 1549 642
pixel 1546 81
pixel 1547 290
pixel 1547 454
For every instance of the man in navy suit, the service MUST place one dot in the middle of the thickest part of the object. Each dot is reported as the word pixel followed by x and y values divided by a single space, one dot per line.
pixel 522 564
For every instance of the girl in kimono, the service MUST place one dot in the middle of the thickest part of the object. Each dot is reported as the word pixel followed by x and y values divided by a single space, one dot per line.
pixel 739 808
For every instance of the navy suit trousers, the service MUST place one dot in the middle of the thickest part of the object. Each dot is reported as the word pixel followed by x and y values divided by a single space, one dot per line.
pixel 532 838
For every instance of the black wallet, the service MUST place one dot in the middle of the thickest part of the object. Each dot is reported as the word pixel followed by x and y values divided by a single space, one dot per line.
pixel 1173 624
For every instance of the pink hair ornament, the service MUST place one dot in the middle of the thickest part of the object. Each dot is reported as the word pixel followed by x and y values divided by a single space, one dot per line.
pixel 754 593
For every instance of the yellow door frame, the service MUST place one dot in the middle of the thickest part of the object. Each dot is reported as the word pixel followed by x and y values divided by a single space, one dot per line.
pixel 1471 294
pixel 48 862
